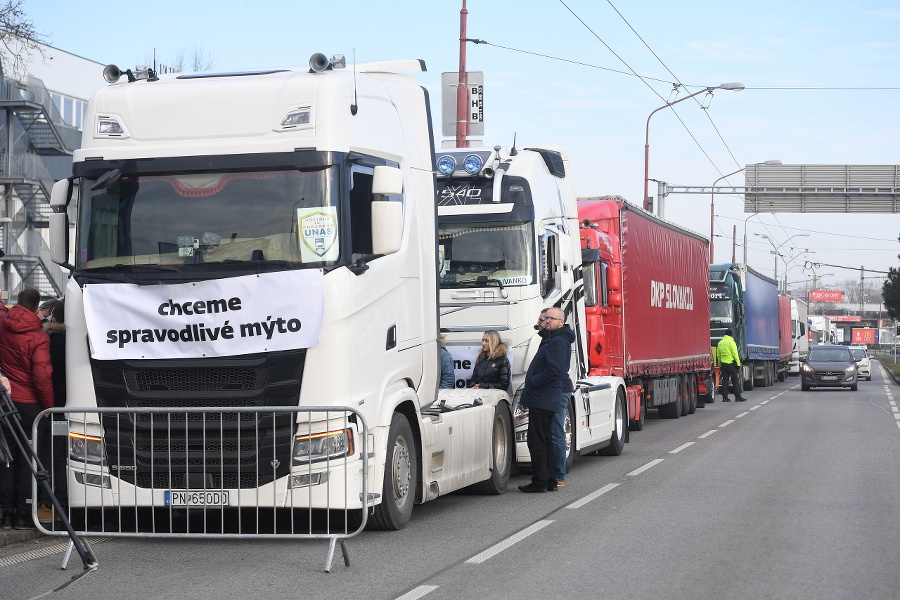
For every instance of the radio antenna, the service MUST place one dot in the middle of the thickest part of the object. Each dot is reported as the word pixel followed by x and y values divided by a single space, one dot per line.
pixel 354 107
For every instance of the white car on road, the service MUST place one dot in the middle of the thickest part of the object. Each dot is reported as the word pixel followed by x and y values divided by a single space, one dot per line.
pixel 861 356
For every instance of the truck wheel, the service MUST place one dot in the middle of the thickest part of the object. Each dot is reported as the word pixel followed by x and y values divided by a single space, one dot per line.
pixel 569 430
pixel 782 375
pixel 683 395
pixel 401 478
pixel 638 424
pixel 672 410
pixel 690 386
pixel 502 450
pixel 748 383
pixel 617 439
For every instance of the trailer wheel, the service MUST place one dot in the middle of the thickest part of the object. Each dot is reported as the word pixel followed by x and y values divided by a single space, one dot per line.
pixel 502 452
pixel 690 384
pixel 569 430
pixel 638 424
pixel 782 375
pixel 748 383
pixel 617 439
pixel 401 478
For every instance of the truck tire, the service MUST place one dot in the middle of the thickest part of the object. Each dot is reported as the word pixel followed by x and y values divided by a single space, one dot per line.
pixel 401 478
pixel 638 424
pixel 690 385
pixel 617 439
pixel 748 383
pixel 782 375
pixel 569 430
pixel 683 395
pixel 502 452
pixel 670 411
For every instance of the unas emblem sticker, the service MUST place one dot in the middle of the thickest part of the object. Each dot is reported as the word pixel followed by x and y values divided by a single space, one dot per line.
pixel 318 234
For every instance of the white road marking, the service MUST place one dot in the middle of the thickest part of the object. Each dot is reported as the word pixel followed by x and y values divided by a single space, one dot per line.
pixel 418 592
pixel 593 496
pixel 743 414
pixel 727 423
pixel 755 407
pixel 681 447
pixel 501 546
pixel 640 470
pixel 707 434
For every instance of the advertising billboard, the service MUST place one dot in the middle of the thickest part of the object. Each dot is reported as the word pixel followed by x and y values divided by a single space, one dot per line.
pixel 826 296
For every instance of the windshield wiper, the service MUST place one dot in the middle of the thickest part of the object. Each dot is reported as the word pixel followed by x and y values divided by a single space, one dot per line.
pixel 131 267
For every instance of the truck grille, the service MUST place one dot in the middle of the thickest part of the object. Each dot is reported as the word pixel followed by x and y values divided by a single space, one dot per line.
pixel 179 450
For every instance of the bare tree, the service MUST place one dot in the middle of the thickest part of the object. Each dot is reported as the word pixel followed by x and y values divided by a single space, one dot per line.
pixel 19 40
pixel 200 60
pixel 183 61
pixel 856 292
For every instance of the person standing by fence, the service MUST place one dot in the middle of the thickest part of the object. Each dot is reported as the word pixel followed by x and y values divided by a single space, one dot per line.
pixel 25 360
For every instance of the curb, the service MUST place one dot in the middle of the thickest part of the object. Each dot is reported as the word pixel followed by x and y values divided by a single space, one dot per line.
pixel 890 372
pixel 9 537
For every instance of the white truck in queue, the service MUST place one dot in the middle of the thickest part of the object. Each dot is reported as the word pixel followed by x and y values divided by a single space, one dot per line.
pixel 509 247
pixel 280 221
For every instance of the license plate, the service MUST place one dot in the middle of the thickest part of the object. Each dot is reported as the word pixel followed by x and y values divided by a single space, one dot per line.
pixel 197 498
pixel 829 377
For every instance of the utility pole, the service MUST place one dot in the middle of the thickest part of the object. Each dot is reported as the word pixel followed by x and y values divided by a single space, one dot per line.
pixel 462 92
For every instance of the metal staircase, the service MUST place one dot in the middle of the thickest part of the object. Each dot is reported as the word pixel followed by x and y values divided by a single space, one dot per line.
pixel 31 130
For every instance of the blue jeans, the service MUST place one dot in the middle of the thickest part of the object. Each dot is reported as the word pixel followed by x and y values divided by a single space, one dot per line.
pixel 559 436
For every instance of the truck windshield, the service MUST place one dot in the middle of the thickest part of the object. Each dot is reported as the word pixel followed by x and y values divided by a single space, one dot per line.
pixel 720 311
pixel 210 217
pixel 479 253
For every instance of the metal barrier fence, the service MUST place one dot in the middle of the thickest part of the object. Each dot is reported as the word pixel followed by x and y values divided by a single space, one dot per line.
pixel 271 473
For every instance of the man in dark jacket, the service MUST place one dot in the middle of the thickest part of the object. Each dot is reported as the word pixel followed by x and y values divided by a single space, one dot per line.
pixel 25 360
pixel 543 389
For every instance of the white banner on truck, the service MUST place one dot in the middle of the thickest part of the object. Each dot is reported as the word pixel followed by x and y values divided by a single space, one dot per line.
pixel 224 317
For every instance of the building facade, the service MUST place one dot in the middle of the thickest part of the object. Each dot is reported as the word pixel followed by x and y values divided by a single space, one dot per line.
pixel 42 119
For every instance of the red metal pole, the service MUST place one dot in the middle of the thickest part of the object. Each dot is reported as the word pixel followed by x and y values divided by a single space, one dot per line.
pixel 462 92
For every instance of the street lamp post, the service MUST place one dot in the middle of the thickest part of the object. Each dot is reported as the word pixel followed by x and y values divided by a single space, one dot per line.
pixel 709 90
pixel 778 247
pixel 712 210
pixel 712 213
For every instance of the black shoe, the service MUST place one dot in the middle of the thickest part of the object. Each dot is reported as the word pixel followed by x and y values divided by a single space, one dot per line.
pixel 726 399
pixel 532 488
pixel 740 400
pixel 23 523
pixel 6 522
pixel 552 486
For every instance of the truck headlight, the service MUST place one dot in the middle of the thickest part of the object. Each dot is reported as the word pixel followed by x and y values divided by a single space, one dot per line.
pixel 85 448
pixel 322 446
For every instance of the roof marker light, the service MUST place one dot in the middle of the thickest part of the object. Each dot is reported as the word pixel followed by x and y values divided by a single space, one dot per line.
pixel 446 165
pixel 473 164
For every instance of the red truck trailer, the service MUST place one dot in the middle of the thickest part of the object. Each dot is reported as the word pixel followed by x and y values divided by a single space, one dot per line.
pixel 649 319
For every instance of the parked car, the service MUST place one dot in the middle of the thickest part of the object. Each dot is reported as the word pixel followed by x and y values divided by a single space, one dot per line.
pixel 862 362
pixel 829 366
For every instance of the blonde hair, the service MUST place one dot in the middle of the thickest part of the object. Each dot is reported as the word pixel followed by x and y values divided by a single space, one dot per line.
pixel 496 347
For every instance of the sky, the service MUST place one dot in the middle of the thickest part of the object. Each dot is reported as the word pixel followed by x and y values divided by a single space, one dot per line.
pixel 822 86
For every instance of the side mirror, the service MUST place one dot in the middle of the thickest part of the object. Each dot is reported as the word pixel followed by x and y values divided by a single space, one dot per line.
pixel 59 222
pixel 387 227
pixel 387 181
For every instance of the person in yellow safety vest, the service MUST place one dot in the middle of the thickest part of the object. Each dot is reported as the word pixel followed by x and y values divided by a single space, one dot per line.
pixel 730 362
